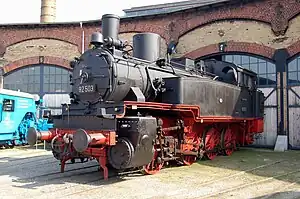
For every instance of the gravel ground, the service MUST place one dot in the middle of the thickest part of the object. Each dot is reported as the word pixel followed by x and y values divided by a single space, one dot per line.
pixel 248 173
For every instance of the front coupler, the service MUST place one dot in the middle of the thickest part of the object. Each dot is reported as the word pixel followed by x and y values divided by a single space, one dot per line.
pixel 67 144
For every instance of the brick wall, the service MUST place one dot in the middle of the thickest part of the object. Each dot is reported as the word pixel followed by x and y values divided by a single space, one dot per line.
pixel 277 13
pixel 273 24
pixel 34 60
pixel 254 37
pixel 41 47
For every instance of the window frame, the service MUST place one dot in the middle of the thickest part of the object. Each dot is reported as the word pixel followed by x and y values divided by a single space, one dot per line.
pixel 221 56
pixel 292 70
pixel 12 105
pixel 257 60
pixel 41 83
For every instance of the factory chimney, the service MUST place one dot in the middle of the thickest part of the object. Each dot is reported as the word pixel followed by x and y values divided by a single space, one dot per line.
pixel 48 11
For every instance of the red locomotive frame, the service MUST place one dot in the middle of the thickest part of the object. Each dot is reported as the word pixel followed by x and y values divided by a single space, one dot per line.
pixel 204 136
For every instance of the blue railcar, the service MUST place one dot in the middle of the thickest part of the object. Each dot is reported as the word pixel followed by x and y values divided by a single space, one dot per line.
pixel 18 112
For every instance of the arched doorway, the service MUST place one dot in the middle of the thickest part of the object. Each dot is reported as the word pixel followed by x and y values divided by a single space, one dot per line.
pixel 49 82
pixel 266 71
pixel 293 82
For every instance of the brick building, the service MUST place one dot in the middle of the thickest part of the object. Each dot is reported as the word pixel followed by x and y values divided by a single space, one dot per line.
pixel 262 35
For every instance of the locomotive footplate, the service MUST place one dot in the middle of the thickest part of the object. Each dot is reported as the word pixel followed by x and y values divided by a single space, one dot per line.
pixel 101 116
pixel 104 110
pixel 91 122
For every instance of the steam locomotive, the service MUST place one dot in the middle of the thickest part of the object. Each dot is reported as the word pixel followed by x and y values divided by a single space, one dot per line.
pixel 132 109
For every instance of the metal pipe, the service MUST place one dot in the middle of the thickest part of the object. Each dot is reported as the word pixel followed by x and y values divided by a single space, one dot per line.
pixel 82 38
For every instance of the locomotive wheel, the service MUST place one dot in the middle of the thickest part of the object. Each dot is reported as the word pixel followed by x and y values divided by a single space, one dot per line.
pixel 229 142
pixel 154 166
pixel 212 140
pixel 13 144
pixel 189 159
pixel 58 147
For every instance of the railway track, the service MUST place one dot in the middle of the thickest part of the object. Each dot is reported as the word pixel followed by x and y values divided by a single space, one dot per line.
pixel 99 182
pixel 219 193
pixel 216 193
pixel 44 170
pixel 83 176
pixel 84 180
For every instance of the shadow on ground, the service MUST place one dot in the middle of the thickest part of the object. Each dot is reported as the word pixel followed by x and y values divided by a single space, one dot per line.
pixel 260 162
pixel 281 195
pixel 44 169
pixel 37 171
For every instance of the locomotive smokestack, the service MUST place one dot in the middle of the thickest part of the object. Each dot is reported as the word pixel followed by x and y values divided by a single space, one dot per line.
pixel 146 46
pixel 48 11
pixel 110 26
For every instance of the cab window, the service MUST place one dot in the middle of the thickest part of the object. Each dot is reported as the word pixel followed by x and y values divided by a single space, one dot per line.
pixel 8 105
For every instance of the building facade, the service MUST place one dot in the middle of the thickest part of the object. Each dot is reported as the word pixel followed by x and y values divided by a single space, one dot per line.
pixel 261 35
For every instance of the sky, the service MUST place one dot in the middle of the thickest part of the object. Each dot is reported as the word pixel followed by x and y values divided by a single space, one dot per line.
pixel 28 11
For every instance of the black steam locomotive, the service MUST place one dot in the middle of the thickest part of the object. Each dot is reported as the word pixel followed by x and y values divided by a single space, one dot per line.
pixel 131 108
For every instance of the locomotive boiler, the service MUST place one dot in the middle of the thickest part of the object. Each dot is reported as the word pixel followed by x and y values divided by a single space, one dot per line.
pixel 133 108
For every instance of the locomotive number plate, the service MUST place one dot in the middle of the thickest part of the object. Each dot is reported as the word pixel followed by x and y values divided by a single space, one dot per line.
pixel 86 89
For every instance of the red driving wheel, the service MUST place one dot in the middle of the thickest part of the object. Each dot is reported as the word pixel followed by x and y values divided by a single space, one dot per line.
pixel 189 159
pixel 154 166
pixel 212 140
pixel 229 142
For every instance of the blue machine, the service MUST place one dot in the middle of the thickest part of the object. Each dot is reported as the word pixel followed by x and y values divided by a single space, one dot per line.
pixel 18 112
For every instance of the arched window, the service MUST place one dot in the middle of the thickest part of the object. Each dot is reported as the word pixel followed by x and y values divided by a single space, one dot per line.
pixel 265 70
pixel 56 80
pixel 293 78
pixel 49 82
pixel 39 79
pixel 294 72
pixel 25 80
